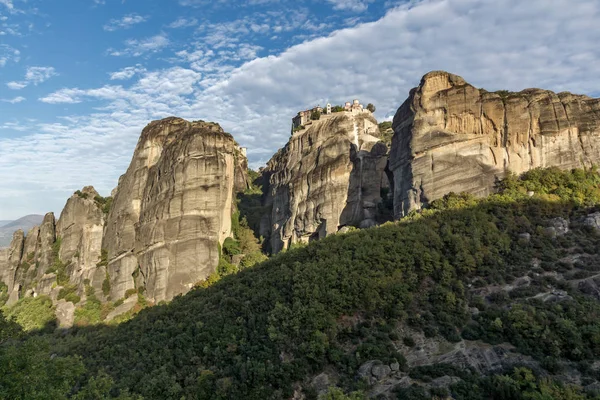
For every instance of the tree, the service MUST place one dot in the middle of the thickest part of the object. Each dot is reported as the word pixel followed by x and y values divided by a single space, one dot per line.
pixel 371 107
pixel 316 115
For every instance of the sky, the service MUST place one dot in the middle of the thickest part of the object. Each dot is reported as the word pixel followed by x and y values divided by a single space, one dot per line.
pixel 79 79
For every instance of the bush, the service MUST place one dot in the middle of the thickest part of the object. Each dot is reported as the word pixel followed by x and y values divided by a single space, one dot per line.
pixel 231 247
pixel 106 285
pixel 33 313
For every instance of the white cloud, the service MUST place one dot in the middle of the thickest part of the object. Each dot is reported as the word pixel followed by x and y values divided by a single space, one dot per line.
pixel 33 75
pixel 15 100
pixel 137 48
pixel 125 22
pixel 8 3
pixel 183 23
pixel 504 44
pixel 350 5
pixel 68 96
pixel 37 75
pixel 127 73
pixel 8 53
pixel 16 85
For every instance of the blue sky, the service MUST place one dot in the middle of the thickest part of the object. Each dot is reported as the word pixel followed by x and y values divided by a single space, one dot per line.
pixel 79 79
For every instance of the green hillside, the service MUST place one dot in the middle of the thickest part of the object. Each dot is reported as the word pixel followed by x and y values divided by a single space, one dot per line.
pixel 503 272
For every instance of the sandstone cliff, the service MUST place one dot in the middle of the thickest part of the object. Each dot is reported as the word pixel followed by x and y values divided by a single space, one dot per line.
pixel 172 208
pixel 170 213
pixel 329 175
pixel 80 229
pixel 452 137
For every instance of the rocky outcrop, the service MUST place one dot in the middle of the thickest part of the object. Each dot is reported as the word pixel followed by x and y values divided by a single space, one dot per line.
pixel 328 175
pixel 172 208
pixel 171 211
pixel 452 137
pixel 11 259
pixel 80 229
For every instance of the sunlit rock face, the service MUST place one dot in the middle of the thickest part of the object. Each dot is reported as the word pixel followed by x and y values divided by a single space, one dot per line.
pixel 80 229
pixel 329 175
pixel 452 137
pixel 172 208
pixel 171 211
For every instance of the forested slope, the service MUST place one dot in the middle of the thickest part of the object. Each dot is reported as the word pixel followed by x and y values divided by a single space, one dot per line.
pixel 515 274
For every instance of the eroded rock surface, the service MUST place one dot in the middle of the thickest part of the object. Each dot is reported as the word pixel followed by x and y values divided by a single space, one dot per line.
pixel 452 137
pixel 171 211
pixel 80 229
pixel 173 208
pixel 328 175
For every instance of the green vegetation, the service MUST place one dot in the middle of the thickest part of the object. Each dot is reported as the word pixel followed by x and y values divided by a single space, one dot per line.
pixel 339 302
pixel 92 312
pixel 58 267
pixel 69 293
pixel 106 285
pixel 82 195
pixel 315 115
pixel 104 203
pixel 32 313
pixel 3 293
pixel 336 109
pixel 385 128
pixel 103 258
pixel 371 107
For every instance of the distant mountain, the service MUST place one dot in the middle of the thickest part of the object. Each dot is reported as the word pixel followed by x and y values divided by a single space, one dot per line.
pixel 7 228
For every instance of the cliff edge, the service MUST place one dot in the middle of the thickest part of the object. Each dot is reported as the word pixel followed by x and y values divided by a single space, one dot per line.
pixel 452 137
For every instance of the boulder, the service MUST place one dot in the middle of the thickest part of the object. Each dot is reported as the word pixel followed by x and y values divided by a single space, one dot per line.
pixel 593 220
pixel 65 313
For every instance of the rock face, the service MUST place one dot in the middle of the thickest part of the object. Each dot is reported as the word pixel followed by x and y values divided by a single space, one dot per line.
pixel 452 137
pixel 80 229
pixel 171 211
pixel 327 176
pixel 173 208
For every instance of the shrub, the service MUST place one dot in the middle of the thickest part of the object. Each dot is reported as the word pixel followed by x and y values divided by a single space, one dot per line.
pixel 103 258
pixel 106 285
pixel 33 313
pixel 231 247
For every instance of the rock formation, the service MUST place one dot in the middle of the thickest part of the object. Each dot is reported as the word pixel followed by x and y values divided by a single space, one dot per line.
pixel 173 208
pixel 170 213
pixel 80 229
pixel 452 137
pixel 328 175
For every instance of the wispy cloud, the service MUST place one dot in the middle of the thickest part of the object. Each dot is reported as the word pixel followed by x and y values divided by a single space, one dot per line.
pixel 33 75
pixel 37 75
pixel 8 53
pixel 127 73
pixel 16 85
pixel 135 47
pixel 8 4
pixel 183 23
pixel 350 5
pixel 125 22
pixel 15 100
